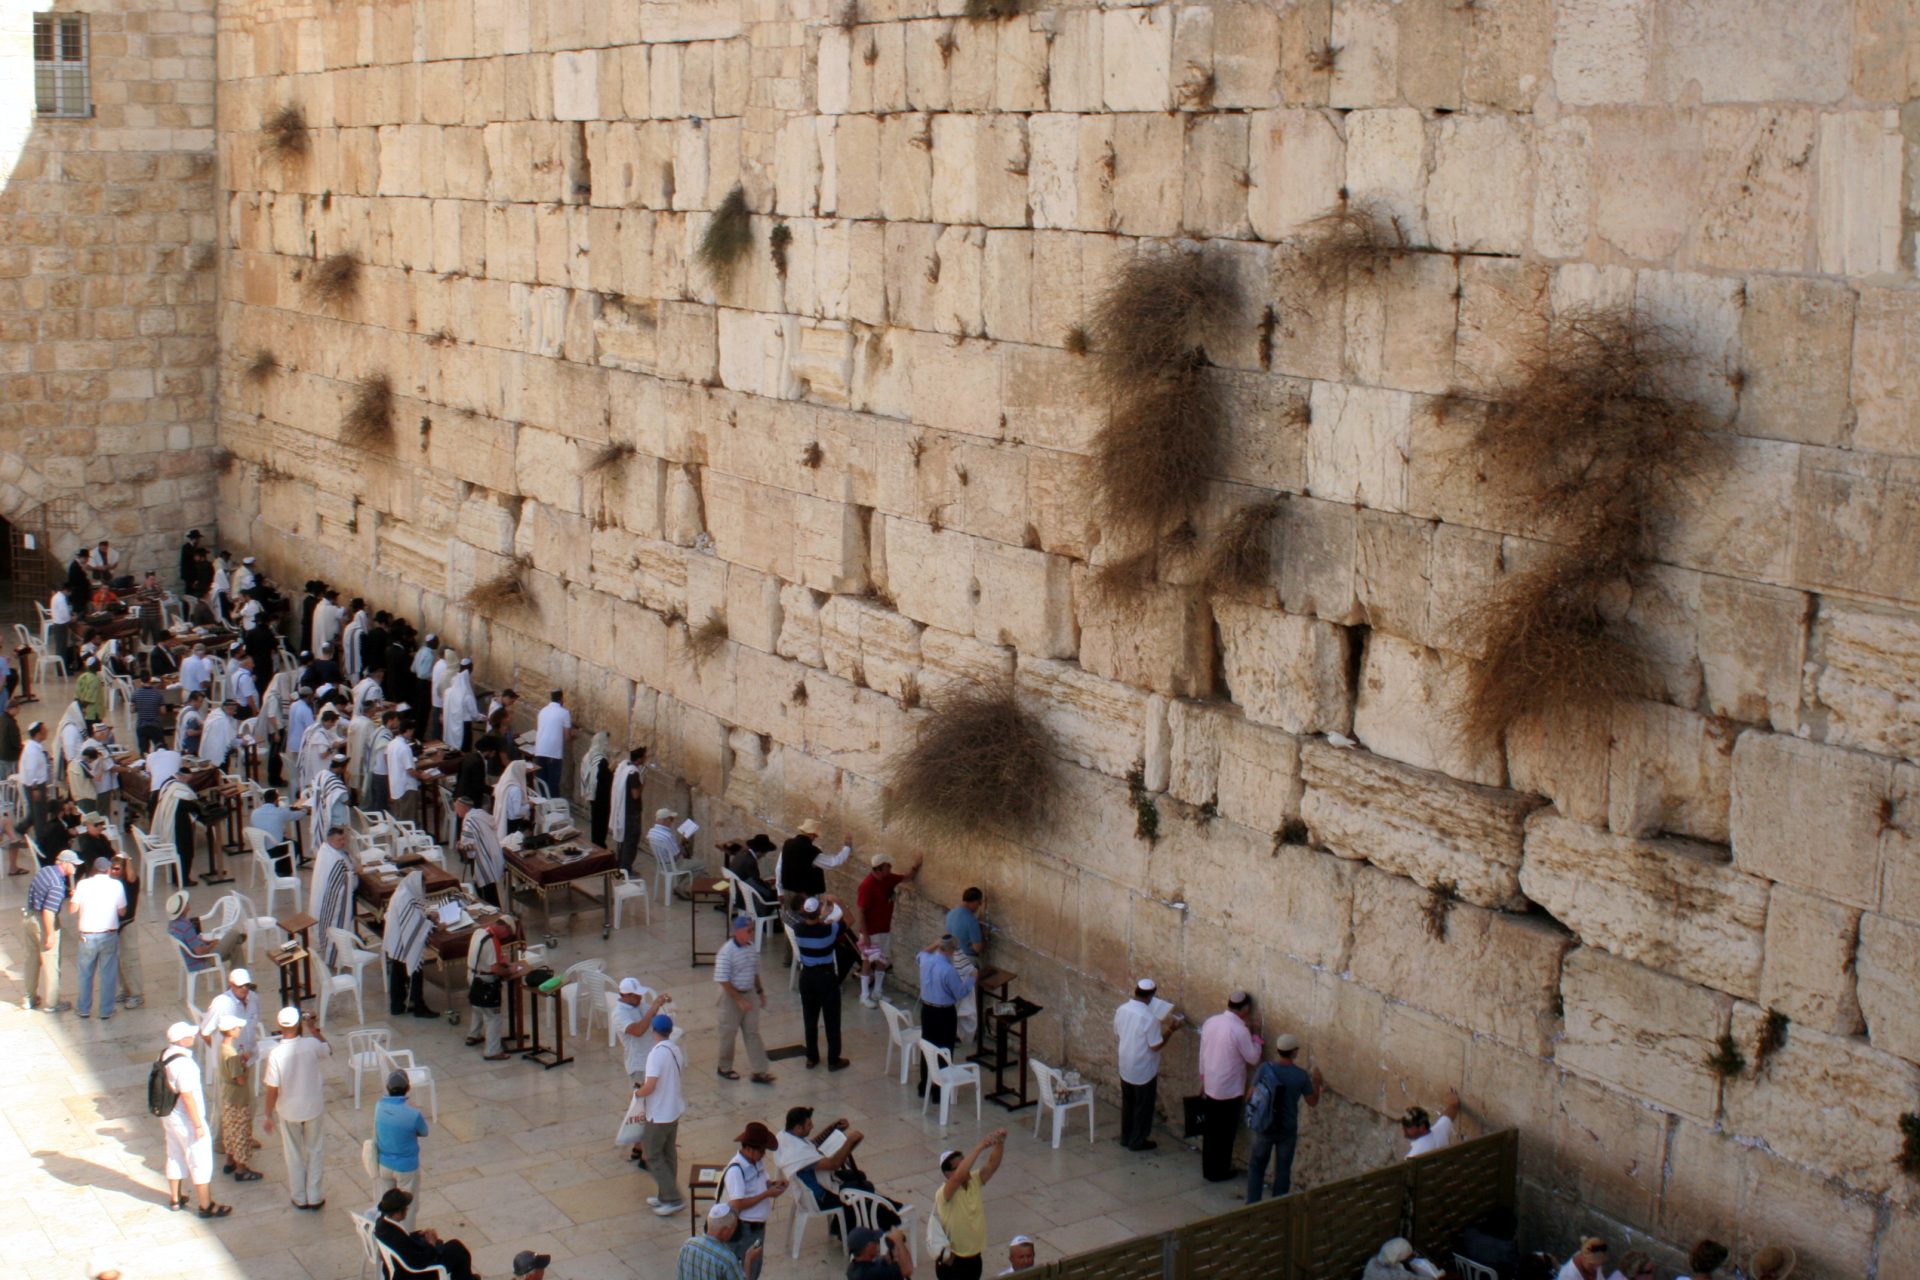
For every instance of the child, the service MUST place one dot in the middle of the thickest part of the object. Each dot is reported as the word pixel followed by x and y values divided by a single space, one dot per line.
pixel 236 1101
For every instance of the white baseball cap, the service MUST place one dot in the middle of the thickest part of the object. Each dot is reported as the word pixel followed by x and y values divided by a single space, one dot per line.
pixel 182 1031
pixel 240 978
pixel 289 1016
pixel 632 987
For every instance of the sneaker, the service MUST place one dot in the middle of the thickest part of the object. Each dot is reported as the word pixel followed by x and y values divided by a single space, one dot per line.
pixel 134 1002
pixel 62 1007
pixel 870 1002
pixel 653 1202
pixel 668 1210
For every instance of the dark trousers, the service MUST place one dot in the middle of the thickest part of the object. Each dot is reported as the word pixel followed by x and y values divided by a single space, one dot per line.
pixel 549 768
pixel 820 1001
pixel 1136 1112
pixel 1221 1127
pixel 1278 1147
pixel 183 841
pixel 283 855
pixel 489 893
pixel 959 1268
pixel 405 991
pixel 376 792
pixel 148 736
pixel 940 1027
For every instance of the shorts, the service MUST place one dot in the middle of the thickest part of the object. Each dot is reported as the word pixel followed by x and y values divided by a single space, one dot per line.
pixel 187 1157
pixel 876 946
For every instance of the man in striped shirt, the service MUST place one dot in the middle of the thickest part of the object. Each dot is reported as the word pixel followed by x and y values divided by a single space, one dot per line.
pixel 816 934
pixel 46 895
pixel 736 970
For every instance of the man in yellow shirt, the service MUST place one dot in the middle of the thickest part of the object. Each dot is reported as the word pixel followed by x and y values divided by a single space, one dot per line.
pixel 962 1215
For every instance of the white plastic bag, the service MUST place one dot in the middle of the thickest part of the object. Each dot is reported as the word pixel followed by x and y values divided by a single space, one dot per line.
pixel 633 1124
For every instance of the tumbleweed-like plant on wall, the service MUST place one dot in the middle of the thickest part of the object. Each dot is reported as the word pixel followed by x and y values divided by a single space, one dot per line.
pixel 977 759
pixel 368 423
pixel 504 592
pixel 283 134
pixel 709 638
pixel 610 458
pixel 1241 554
pixel 262 366
pixel 728 238
pixel 1355 239
pixel 334 279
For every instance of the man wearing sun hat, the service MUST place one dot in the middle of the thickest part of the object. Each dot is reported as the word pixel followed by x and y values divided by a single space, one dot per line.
pixel 749 1192
pixel 46 897
pixel 711 1256
pixel 528 1265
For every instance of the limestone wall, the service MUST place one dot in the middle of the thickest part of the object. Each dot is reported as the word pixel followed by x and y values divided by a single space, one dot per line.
pixel 872 467
pixel 107 282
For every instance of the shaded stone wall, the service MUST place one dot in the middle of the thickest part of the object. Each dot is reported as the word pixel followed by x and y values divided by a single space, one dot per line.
pixel 108 281
pixel 872 468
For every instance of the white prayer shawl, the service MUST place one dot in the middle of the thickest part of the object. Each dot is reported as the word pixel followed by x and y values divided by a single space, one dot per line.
pixel 366 693
pixel 332 894
pixel 326 625
pixel 273 704
pixel 316 750
pixel 510 796
pixel 73 721
pixel 325 795
pixel 359 729
pixel 408 924
pixel 461 709
pixel 617 815
pixel 352 641
pixel 216 737
pixel 376 750
pixel 166 807
pixel 489 860
pixel 443 670
pixel 590 768
pixel 299 720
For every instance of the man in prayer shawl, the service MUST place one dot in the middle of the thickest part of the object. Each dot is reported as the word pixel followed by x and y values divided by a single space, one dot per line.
pixel 326 801
pixel 438 677
pixel 480 841
pixel 299 720
pixel 274 706
pixel 461 708
pixel 368 691
pixel 326 620
pixel 511 810
pixel 405 942
pixel 218 734
pixel 317 748
pixel 176 807
pixel 596 787
pixel 373 776
pixel 70 737
pixel 625 825
pixel 331 892
pixel 359 729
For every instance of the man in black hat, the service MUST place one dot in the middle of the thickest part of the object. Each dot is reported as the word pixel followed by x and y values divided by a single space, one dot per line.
pixel 191 560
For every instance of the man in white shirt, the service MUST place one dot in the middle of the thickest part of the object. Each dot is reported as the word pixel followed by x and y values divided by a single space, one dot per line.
pixel 36 770
pixel 196 671
pixel 403 779
pixel 554 729
pixel 163 765
pixel 240 1000
pixel 244 577
pixel 666 1103
pixel 104 561
pixel 664 840
pixel 1142 1033
pixel 242 689
pixel 188 1129
pixel 59 622
pixel 437 693
pixel 97 903
pixel 1020 1255
pixel 747 1189
pixel 296 1101
pixel 1426 1134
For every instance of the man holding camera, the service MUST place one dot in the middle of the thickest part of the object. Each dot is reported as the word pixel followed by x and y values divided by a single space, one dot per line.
pixel 871 1262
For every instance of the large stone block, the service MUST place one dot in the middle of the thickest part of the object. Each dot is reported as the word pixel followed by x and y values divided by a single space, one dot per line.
pixel 1830 1103
pixel 1888 968
pixel 1136 59
pixel 1414 823
pixel 1672 905
pixel 1296 166
pixel 1650 159
pixel 1867 676
pixel 1809 815
pixel 1023 598
pixel 1642 1031
pixel 1249 771
pixel 1756 193
pixel 1851 515
pixel 1602 51
pixel 1858 216
pixel 1886 332
pixel 1607 1150
pixel 1408 709
pixel 1809 971
pixel 1495 974
pixel 1285 670
pixel 1797 337
pixel 1752 641
pixel 1097 723
pixel 1757 50
pixel 1358 445
pixel 1161 639
pixel 1669 772
pixel 1400 330
pixel 1479 194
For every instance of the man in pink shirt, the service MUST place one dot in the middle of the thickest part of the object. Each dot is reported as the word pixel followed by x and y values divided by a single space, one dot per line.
pixel 1228 1047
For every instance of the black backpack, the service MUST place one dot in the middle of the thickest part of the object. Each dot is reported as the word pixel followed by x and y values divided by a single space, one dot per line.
pixel 162 1097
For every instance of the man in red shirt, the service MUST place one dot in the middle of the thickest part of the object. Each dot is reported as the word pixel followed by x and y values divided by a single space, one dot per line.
pixel 875 900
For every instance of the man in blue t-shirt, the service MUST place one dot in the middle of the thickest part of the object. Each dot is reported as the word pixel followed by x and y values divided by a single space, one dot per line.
pixel 969 931
pixel 1291 1086
pixel 398 1127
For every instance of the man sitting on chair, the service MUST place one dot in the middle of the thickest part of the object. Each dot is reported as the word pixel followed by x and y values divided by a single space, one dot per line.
pixel 416 1253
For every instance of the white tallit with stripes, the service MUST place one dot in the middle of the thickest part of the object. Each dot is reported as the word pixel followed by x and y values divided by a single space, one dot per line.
pixel 489 861
pixel 617 813
pixel 408 923
pixel 166 805
pixel 332 896
pixel 326 795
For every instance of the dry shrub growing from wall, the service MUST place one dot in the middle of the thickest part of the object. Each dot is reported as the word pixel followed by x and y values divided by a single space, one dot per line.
pixel 262 366
pixel 503 593
pixel 1355 239
pixel 1166 414
pixel 334 279
pixel 369 420
pixel 1241 555
pixel 978 758
pixel 610 459
pixel 283 134
pixel 994 10
pixel 707 639
pixel 728 238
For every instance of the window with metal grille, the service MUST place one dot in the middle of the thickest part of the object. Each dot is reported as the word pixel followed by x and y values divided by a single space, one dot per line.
pixel 60 79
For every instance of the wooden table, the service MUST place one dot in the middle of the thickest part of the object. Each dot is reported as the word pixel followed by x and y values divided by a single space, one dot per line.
pixel 377 890
pixel 206 780
pixel 555 1054
pixel 543 872
pixel 1000 985
pixel 703 1183
pixel 296 968
pixel 704 891
pixel 433 800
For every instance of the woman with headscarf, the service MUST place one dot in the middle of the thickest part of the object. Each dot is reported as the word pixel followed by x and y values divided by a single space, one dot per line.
pixel 596 787
pixel 625 824
pixel 175 810
pixel 511 811
pixel 460 708
pixel 405 944
pixel 480 841
pixel 331 891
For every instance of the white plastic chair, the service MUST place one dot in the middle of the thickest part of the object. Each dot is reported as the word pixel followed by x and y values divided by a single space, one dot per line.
pixel 793 955
pixel 942 1070
pixel 625 887
pixel 1467 1269
pixel 902 1033
pixel 550 812
pixel 418 1077
pixel 256 925
pixel 370 1255
pixel 668 874
pixel 156 855
pixel 349 954
pixel 570 990
pixel 746 900
pixel 806 1209
pixel 597 993
pixel 364 1047
pixel 44 659
pixel 863 1208
pixel 391 1265
pixel 327 984
pixel 263 860
pixel 190 976
pixel 1062 1097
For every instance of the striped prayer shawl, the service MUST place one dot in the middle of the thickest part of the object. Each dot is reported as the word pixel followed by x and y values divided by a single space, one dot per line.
pixel 328 790
pixel 617 817
pixel 490 862
pixel 408 924
pixel 332 889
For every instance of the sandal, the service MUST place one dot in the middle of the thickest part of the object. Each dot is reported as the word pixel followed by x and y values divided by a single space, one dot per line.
pixel 726 1075
pixel 216 1211
pixel 764 1078
pixel 247 1175
pixel 474 1040
pixel 176 1203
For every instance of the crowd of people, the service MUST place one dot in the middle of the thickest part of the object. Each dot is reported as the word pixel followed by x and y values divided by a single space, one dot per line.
pixel 340 723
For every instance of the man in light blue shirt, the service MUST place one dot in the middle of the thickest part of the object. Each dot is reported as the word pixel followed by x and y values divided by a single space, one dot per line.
pixel 398 1127
pixel 942 989
pixel 274 818
pixel 969 932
